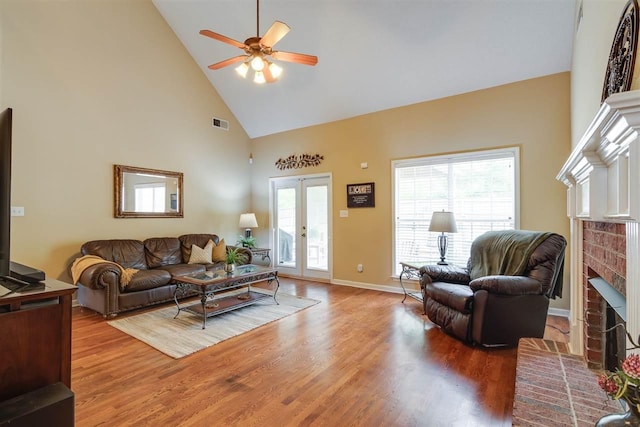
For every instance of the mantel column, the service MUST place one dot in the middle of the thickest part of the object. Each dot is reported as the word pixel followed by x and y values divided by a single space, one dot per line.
pixel 576 335
pixel 633 280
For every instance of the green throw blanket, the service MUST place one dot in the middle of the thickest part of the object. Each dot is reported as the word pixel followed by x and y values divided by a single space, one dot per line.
pixel 503 252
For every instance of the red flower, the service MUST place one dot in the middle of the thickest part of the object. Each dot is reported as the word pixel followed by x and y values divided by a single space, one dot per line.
pixel 631 366
pixel 608 384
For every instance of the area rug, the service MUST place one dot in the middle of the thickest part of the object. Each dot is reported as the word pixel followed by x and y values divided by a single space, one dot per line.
pixel 184 335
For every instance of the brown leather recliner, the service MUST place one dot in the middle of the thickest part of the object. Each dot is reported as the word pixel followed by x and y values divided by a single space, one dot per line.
pixel 503 293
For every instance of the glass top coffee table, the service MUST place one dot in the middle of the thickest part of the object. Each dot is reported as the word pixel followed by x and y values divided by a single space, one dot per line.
pixel 211 283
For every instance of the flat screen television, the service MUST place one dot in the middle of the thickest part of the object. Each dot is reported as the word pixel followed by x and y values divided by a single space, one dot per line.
pixel 13 276
pixel 5 191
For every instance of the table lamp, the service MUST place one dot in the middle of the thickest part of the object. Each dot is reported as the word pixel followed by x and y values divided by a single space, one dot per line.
pixel 443 222
pixel 248 221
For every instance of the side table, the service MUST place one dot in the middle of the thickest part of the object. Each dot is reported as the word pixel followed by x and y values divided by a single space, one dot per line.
pixel 263 252
pixel 411 270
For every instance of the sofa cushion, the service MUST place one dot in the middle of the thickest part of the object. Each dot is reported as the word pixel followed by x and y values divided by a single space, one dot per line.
pixel 201 255
pixel 446 273
pixel 161 251
pixel 184 269
pixel 126 252
pixel 458 297
pixel 451 321
pixel 148 279
pixel 186 240
pixel 220 252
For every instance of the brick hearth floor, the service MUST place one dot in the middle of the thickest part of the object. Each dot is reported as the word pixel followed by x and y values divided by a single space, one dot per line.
pixel 555 388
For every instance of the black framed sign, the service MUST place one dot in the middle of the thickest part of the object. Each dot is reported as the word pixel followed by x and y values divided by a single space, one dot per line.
pixel 361 195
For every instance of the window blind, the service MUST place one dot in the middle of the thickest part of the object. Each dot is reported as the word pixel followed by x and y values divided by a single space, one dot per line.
pixel 480 188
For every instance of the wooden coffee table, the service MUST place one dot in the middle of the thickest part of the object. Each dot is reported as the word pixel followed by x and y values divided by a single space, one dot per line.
pixel 210 283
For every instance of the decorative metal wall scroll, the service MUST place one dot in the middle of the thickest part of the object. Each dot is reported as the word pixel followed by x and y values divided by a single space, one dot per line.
pixel 622 57
pixel 301 161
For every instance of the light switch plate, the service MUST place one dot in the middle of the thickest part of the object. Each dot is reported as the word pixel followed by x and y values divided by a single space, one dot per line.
pixel 344 213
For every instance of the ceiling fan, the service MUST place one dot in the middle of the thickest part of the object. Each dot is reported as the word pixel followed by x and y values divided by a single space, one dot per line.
pixel 257 49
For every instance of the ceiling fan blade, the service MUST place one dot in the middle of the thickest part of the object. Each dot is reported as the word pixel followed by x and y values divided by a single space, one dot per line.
pixel 299 58
pixel 276 31
pixel 268 77
pixel 226 62
pixel 224 39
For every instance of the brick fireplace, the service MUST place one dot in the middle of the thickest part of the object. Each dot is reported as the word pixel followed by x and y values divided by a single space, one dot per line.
pixel 604 248
pixel 602 176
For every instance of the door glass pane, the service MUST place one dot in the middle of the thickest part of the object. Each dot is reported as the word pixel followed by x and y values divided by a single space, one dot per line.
pixel 286 215
pixel 317 228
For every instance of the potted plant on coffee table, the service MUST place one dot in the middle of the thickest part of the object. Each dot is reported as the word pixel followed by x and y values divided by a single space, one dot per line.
pixel 232 258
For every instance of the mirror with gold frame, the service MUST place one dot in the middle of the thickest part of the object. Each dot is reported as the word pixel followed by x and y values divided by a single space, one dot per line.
pixel 147 193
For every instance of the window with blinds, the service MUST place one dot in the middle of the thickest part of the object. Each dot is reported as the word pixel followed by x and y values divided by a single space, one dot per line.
pixel 480 188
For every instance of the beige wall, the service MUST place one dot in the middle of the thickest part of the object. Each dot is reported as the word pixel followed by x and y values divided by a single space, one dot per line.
pixel 533 115
pixel 97 83
pixel 591 47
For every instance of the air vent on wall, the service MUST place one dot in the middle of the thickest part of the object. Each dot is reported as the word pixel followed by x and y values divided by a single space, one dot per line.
pixel 220 123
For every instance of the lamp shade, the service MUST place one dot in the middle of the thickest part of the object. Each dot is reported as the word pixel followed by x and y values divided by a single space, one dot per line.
pixel 242 69
pixel 248 220
pixel 443 221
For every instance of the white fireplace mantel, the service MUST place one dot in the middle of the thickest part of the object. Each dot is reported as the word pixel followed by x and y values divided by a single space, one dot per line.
pixel 603 179
pixel 603 170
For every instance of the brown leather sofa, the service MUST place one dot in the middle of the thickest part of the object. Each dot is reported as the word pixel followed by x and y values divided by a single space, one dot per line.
pixel 157 259
pixel 497 304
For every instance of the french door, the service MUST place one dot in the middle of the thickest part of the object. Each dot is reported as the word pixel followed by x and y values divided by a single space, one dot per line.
pixel 301 225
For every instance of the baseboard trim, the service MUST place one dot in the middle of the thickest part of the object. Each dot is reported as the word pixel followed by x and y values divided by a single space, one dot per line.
pixel 370 286
pixel 308 279
pixel 560 312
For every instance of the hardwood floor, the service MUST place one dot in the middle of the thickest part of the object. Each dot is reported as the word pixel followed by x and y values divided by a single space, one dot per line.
pixel 359 358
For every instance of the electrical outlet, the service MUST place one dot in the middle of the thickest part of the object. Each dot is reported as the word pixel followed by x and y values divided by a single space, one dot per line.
pixel 17 211
pixel 360 268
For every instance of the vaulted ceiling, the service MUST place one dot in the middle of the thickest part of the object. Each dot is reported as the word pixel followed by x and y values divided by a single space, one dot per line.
pixel 373 54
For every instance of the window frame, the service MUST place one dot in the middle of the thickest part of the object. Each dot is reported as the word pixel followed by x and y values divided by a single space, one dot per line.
pixel 511 151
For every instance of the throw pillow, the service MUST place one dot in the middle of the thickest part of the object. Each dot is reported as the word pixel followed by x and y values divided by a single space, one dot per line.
pixel 220 252
pixel 201 255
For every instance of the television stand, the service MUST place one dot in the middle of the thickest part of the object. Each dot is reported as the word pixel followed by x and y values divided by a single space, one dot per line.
pixel 35 339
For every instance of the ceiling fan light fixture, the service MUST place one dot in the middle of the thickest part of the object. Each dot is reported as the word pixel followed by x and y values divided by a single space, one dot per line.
pixel 242 70
pixel 257 64
pixel 259 77
pixel 257 50
pixel 275 69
